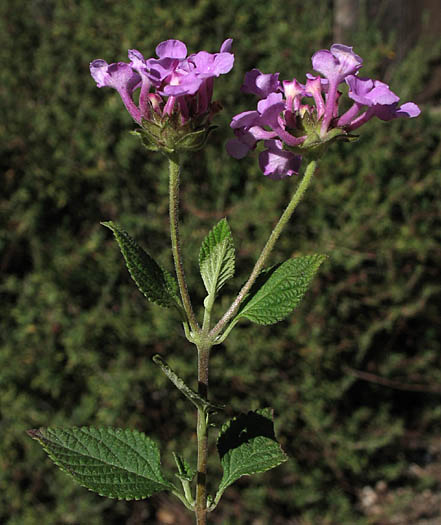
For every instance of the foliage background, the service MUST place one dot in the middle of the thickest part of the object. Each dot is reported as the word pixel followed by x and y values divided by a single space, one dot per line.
pixel 77 336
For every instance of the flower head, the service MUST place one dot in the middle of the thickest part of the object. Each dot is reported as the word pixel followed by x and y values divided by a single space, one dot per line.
pixel 175 98
pixel 295 119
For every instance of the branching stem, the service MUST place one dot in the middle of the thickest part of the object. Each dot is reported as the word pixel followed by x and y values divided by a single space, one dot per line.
pixel 275 234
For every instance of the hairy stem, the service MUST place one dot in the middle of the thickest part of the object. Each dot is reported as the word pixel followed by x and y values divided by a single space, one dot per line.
pixel 275 234
pixel 174 171
pixel 202 436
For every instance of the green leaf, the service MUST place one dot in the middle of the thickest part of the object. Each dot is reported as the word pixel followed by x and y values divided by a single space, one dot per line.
pixel 216 257
pixel 188 392
pixel 116 463
pixel 156 283
pixel 185 471
pixel 247 445
pixel 279 290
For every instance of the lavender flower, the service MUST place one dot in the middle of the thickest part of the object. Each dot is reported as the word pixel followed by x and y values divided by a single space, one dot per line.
pixel 176 91
pixel 291 128
pixel 121 77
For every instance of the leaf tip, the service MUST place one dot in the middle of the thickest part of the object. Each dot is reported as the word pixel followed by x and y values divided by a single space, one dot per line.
pixel 157 359
pixel 34 433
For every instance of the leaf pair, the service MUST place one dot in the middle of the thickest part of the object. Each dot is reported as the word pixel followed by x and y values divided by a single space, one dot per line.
pixel 274 295
pixel 125 464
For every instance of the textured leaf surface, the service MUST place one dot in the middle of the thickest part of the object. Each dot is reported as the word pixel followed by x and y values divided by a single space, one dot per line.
pixel 116 463
pixel 216 257
pixel 157 284
pixel 280 290
pixel 247 445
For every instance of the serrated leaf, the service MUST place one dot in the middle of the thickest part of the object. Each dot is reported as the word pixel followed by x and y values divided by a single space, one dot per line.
pixel 247 445
pixel 280 290
pixel 156 283
pixel 117 463
pixel 216 257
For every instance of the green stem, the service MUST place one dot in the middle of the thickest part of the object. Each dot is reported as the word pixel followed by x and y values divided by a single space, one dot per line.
pixel 286 215
pixel 202 437
pixel 174 170
pixel 183 498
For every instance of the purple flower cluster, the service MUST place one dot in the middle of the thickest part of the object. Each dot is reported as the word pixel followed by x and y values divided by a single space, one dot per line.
pixel 170 84
pixel 290 128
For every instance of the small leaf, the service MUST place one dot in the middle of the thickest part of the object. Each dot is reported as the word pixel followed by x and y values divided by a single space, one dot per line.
pixel 113 462
pixel 279 290
pixel 156 283
pixel 188 392
pixel 247 445
pixel 216 257
pixel 185 471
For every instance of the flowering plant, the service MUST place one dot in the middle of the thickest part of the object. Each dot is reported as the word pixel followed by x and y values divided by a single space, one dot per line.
pixel 174 111
pixel 291 129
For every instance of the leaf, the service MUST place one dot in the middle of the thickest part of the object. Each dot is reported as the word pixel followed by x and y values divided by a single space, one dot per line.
pixel 188 392
pixel 116 463
pixel 279 290
pixel 185 471
pixel 216 257
pixel 156 283
pixel 247 445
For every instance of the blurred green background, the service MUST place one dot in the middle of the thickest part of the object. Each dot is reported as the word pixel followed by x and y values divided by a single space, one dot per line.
pixel 354 375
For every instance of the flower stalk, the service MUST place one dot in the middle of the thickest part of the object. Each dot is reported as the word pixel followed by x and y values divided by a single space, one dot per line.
pixel 174 172
pixel 258 267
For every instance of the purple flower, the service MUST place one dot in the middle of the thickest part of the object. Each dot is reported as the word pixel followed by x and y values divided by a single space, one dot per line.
pixel 121 77
pixel 173 87
pixel 336 64
pixel 380 100
pixel 250 126
pixel 292 127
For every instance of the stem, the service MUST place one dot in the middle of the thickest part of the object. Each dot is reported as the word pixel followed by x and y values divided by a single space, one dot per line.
pixel 174 170
pixel 286 215
pixel 202 436
pixel 184 499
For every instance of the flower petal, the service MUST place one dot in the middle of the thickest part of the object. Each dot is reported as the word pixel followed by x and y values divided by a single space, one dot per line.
pixel 260 84
pixel 337 63
pixel 409 110
pixel 369 92
pixel 270 109
pixel 244 119
pixel 277 163
pixel 180 85
pixel 383 112
pixel 98 70
pixel 237 149
pixel 226 46
pixel 171 49
pixel 119 76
